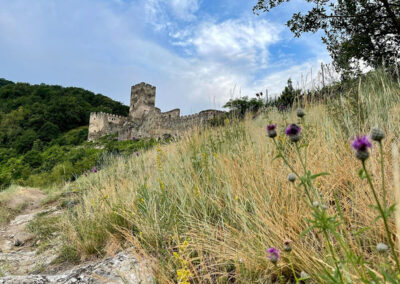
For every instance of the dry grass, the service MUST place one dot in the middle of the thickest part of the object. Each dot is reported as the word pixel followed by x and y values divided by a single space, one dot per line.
pixel 223 192
pixel 15 199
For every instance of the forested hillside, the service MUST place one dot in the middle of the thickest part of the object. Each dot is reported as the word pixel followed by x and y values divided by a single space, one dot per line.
pixel 41 124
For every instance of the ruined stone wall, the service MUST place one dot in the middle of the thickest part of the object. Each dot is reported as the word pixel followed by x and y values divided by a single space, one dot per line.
pixel 159 126
pixel 172 114
pixel 101 124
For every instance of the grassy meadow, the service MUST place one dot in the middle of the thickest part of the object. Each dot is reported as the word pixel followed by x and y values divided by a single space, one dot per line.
pixel 206 209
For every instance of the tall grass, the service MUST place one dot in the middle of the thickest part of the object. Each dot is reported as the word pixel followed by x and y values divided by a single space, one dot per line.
pixel 209 206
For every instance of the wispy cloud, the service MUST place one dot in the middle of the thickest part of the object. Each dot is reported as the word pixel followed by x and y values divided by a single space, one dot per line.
pixel 163 14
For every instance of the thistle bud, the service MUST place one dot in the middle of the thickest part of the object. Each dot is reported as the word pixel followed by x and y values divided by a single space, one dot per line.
pixel 300 113
pixel 287 245
pixel 377 134
pixel 291 177
pixel 381 247
pixel 304 275
pixel 271 130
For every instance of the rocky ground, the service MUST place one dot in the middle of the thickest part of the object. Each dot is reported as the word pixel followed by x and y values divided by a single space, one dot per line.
pixel 23 260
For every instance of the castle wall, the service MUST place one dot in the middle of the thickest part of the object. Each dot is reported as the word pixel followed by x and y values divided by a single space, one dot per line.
pixel 159 126
pixel 175 113
pixel 101 124
pixel 145 120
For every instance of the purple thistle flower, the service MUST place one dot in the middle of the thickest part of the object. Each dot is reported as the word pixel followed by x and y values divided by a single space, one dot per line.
pixel 133 138
pixel 94 170
pixel 293 131
pixel 273 255
pixel 361 145
pixel 137 154
pixel 271 129
pixel 282 107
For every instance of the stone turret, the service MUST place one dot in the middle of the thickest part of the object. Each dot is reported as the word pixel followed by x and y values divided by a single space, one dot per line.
pixel 143 98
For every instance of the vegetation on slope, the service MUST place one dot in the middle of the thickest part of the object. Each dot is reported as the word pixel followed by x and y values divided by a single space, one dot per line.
pixel 40 127
pixel 207 208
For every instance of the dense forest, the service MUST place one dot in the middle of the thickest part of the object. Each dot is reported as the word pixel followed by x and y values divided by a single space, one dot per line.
pixel 40 128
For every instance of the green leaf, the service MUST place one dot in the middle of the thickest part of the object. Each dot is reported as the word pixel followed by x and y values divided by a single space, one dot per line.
pixel 361 174
pixel 303 146
pixel 319 175
pixel 277 157
pixel 306 231
pixel 360 231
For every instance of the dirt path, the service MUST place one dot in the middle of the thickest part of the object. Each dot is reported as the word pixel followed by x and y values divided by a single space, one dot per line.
pixel 21 262
pixel 17 253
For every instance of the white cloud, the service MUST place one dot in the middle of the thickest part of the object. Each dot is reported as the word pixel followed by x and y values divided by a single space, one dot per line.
pixel 162 13
pixel 304 76
pixel 184 9
pixel 241 43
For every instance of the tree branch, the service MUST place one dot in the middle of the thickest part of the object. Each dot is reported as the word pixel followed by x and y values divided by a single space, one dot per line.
pixel 389 10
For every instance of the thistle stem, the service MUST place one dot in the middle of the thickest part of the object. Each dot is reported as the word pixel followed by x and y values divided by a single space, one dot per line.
pixel 293 170
pixel 382 174
pixel 383 214
pixel 333 254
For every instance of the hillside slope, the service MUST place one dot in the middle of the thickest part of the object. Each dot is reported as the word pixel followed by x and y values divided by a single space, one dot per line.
pixel 35 118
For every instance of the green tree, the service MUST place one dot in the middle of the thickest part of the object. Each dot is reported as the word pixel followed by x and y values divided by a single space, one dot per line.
pixel 33 159
pixel 241 106
pixel 25 142
pixel 48 132
pixel 366 30
pixel 288 95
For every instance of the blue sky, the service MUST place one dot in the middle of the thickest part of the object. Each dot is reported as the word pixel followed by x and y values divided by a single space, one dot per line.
pixel 198 53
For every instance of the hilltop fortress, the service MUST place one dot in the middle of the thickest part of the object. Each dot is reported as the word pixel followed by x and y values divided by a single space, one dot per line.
pixel 145 120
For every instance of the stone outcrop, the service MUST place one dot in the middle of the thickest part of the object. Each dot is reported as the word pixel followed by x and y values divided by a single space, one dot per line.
pixel 122 268
pixel 145 120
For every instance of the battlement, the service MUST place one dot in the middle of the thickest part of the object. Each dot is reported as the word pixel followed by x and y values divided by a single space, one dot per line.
pixel 143 85
pixel 105 114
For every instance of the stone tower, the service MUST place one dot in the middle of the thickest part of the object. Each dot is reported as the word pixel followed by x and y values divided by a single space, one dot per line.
pixel 143 97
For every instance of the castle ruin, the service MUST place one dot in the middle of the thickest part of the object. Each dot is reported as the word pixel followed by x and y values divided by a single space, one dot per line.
pixel 145 120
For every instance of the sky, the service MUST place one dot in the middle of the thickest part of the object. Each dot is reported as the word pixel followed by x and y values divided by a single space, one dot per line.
pixel 198 53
